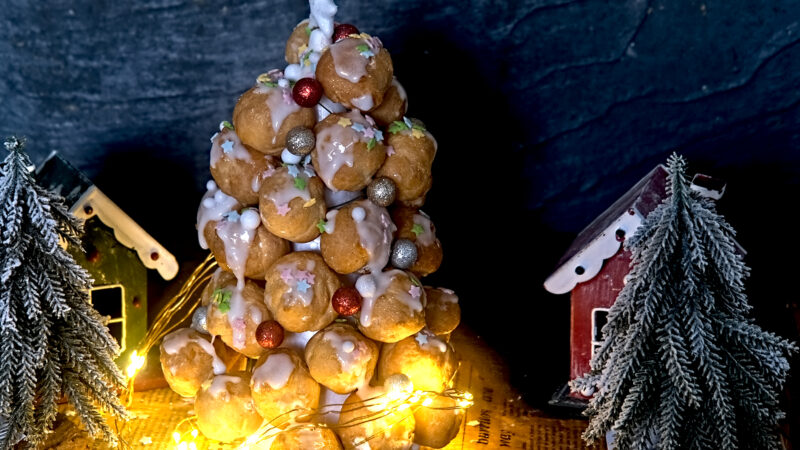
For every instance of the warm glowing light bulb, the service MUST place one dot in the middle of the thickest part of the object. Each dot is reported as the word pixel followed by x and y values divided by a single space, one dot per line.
pixel 192 446
pixel 183 446
pixel 194 433
pixel 176 436
pixel 137 361
pixel 427 402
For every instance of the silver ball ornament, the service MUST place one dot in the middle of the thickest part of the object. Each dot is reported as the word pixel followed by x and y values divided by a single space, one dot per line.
pixel 404 254
pixel 382 191
pixel 300 141
pixel 200 320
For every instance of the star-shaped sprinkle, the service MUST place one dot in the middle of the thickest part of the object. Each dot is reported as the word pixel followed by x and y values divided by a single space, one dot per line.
pixel 365 51
pixel 225 124
pixel 359 127
pixel 293 170
pixel 302 49
pixel 390 151
pixel 283 209
pixel 369 133
pixel 415 292
pixel 421 339
pixel 305 275
pixel 397 126
pixel 311 202
pixel 303 286
pixel 417 229
pixel 370 120
pixel 345 122
pixel 321 225
pixel 371 144
pixel 416 133
pixel 286 275
pixel 299 183
pixel 227 146
pixel 309 171
pixel 378 134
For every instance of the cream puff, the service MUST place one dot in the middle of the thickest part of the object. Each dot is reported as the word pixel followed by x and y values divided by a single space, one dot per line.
pixel 416 226
pixel 237 169
pixel 340 358
pixel 280 384
pixel 393 305
pixel 224 408
pixel 428 361
pixel 188 359
pixel 292 202
pixel 357 236
pixel 442 313
pixel 411 152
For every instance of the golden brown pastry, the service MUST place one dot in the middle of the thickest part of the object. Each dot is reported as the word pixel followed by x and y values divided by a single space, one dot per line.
pixel 340 358
pixel 438 423
pixel 442 313
pixel 393 305
pixel 394 430
pixel 238 170
pixel 281 383
pixel 416 226
pixel 265 113
pixel 242 248
pixel 358 235
pixel 311 437
pixel 234 314
pixel 297 42
pixel 393 107
pixel 410 160
pixel 188 359
pixel 349 150
pixel 292 202
pixel 299 290
pixel 425 359
pixel 356 72
pixel 224 408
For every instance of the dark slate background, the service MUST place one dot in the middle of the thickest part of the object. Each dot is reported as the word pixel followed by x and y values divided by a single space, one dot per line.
pixel 545 111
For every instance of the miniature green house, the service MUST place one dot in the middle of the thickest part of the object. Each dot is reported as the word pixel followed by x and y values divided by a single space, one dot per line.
pixel 116 252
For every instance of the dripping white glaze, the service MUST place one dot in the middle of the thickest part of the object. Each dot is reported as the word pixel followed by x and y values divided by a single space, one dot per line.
pixel 348 62
pixel 375 233
pixel 364 103
pixel 275 371
pixel 427 237
pixel 280 103
pixel 334 147
pixel 174 342
pixel 227 143
pixel 219 385
pixel 289 191
pixel 236 238
pixel 352 361
pixel 213 207
pixel 330 220
pixel 372 286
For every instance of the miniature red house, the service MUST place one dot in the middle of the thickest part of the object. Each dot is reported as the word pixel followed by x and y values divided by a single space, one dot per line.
pixel 595 266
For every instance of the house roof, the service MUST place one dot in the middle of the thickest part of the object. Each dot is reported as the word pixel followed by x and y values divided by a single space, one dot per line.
pixel 85 200
pixel 603 237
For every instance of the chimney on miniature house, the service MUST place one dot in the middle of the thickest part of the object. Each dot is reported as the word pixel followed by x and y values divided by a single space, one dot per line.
pixel 595 266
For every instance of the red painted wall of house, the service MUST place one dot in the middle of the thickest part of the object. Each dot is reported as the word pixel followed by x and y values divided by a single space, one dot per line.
pixel 599 292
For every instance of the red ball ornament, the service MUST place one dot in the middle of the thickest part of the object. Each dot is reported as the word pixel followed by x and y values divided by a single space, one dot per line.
pixel 343 30
pixel 346 301
pixel 307 92
pixel 269 334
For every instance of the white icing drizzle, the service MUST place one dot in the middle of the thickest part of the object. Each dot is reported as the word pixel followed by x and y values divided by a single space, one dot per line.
pixel 275 371
pixel 375 233
pixel 427 237
pixel 322 13
pixel 310 246
pixel 213 207
pixel 428 341
pixel 174 342
pixel 401 91
pixel 280 103
pixel 448 296
pixel 289 191
pixel 334 147
pixel 219 385
pixel 294 294
pixel 364 103
pixel 372 286
pixel 352 361
pixel 349 63
pixel 236 239
pixel 330 220
pixel 227 142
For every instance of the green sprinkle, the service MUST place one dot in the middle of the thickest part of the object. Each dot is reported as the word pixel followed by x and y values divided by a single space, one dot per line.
pixel 308 31
pixel 299 183
pixel 269 83
pixel 371 143
pixel 222 297
pixel 362 48
pixel 417 126
pixel 227 125
pixel 321 225
pixel 397 126
pixel 414 280
pixel 417 229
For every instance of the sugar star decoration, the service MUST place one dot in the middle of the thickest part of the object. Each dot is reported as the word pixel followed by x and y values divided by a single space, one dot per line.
pixel 303 286
pixel 283 209
pixel 305 275
pixel 417 229
pixel 227 146
pixel 415 291
pixel 358 127
pixel 286 275
pixel 299 183
pixel 421 339
pixel 345 122
pixel 293 170
pixel 365 51
pixel 390 151
pixel 322 226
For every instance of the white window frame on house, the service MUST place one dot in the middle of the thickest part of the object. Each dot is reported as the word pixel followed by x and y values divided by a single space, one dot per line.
pixel 596 344
pixel 122 320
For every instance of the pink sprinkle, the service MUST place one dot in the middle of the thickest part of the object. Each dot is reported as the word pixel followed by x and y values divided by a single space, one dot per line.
pixel 283 209
pixel 240 325
pixel 389 150
pixel 370 120
pixel 305 275
pixel 286 275
pixel 287 97
pixel 369 133
pixel 414 291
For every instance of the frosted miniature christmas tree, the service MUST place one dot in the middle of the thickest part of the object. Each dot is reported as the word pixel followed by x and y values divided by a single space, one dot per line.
pixel 313 218
pixel 52 342
pixel 682 365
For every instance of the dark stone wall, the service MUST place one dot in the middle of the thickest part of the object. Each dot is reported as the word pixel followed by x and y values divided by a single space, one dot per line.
pixel 545 111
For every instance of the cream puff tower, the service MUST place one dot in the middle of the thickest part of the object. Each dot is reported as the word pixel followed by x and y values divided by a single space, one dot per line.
pixel 313 218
